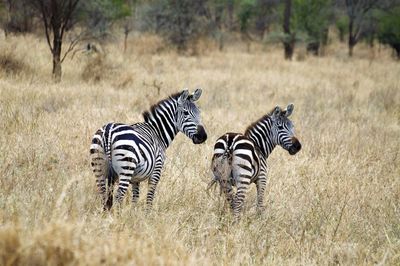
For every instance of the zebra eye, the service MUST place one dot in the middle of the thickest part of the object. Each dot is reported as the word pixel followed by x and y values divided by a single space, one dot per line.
pixel 280 127
pixel 185 112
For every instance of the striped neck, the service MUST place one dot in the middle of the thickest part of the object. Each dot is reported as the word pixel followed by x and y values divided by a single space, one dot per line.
pixel 162 117
pixel 261 134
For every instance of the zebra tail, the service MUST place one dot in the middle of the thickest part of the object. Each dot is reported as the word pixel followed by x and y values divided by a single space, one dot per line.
pixel 221 167
pixel 211 184
pixel 111 174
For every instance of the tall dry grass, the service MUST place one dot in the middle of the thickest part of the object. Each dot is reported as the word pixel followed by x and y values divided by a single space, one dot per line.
pixel 335 202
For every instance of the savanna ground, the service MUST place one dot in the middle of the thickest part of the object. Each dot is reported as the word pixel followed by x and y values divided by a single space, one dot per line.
pixel 335 202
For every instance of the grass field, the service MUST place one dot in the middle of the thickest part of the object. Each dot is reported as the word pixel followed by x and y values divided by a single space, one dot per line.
pixel 336 202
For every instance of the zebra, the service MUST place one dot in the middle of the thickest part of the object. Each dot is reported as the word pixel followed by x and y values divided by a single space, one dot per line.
pixel 241 159
pixel 134 153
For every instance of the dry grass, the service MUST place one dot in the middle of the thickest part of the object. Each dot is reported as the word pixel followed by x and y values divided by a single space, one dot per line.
pixel 335 202
pixel 11 63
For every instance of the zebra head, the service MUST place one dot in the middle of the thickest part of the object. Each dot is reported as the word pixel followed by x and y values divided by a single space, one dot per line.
pixel 188 117
pixel 283 130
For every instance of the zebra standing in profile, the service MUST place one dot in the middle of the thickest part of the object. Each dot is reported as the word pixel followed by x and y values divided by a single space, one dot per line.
pixel 134 153
pixel 241 159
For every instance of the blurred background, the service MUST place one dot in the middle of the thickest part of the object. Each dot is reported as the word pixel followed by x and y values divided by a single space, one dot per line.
pixel 192 27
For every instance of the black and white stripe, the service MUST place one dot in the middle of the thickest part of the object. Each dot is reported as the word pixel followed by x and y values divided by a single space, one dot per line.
pixel 134 153
pixel 241 159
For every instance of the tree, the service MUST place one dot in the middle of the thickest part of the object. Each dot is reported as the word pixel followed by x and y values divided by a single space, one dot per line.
pixel 129 16
pixel 246 12
pixel 230 5
pixel 265 14
pixel 342 26
pixel 15 16
pixel 57 18
pixel 389 29
pixel 100 15
pixel 313 17
pixel 357 11
pixel 289 36
pixel 179 21
pixel 216 10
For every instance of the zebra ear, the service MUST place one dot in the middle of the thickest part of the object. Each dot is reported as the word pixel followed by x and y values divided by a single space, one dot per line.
pixel 196 95
pixel 277 112
pixel 289 110
pixel 183 97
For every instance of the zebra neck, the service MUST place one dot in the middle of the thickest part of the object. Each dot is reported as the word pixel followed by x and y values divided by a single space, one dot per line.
pixel 260 133
pixel 163 119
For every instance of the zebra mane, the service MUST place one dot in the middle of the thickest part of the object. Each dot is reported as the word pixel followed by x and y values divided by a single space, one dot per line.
pixel 148 114
pixel 263 118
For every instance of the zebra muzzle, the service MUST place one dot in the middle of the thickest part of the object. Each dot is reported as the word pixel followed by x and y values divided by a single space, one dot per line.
pixel 200 135
pixel 296 146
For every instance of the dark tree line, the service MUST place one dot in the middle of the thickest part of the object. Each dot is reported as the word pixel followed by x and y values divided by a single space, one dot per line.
pixel 181 22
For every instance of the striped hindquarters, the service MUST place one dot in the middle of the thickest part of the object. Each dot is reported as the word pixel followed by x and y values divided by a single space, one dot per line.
pixel 235 163
pixel 123 152
pixel 243 154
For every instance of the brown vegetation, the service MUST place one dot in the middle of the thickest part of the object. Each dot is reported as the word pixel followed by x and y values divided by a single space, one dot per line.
pixel 11 64
pixel 335 202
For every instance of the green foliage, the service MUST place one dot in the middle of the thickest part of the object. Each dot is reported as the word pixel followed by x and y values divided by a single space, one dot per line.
pixel 280 37
pixel 342 24
pixel 178 21
pixel 121 9
pixel 101 14
pixel 245 13
pixel 389 29
pixel 312 17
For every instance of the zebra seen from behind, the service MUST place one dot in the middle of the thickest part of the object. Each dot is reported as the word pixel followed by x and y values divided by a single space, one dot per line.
pixel 134 153
pixel 241 159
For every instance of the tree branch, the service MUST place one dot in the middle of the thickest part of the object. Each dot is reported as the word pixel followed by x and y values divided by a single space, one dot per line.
pixel 65 21
pixel 46 24
pixel 72 45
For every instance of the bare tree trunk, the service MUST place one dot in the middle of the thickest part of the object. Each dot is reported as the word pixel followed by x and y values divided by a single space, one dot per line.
pixel 220 42
pixel 126 33
pixel 352 40
pixel 57 45
pixel 289 49
pixel 288 42
pixel 8 17
pixel 56 68
pixel 341 35
pixel 396 48
pixel 230 7
pixel 218 23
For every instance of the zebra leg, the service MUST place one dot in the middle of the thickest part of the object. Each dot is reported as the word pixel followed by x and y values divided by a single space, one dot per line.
pixel 261 184
pixel 123 184
pixel 101 187
pixel 226 188
pixel 135 192
pixel 242 186
pixel 153 181
pixel 125 168
pixel 100 166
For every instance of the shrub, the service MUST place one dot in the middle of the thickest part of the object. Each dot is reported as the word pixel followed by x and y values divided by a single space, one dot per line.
pixel 10 64
pixel 97 68
pixel 389 30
